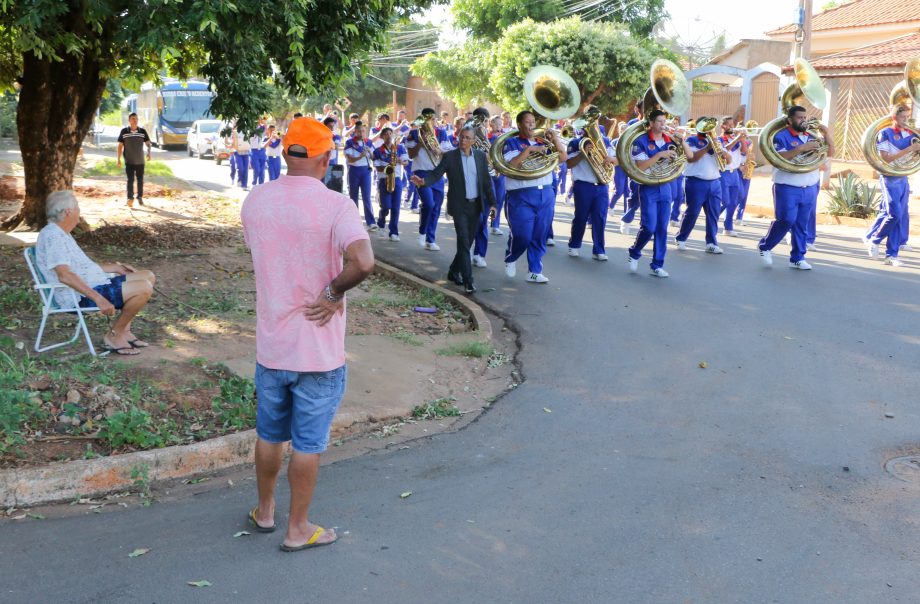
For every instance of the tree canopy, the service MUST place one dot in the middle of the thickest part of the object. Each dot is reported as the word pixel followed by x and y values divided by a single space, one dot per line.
pixel 62 54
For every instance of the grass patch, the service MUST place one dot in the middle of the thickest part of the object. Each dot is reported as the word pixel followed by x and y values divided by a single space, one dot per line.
pixel 406 337
pixel 426 297
pixel 109 167
pixel 442 407
pixel 473 350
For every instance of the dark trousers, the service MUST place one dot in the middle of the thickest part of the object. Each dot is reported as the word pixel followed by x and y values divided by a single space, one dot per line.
pixel 135 171
pixel 466 221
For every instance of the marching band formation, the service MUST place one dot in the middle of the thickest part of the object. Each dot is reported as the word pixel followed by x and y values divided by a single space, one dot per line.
pixel 655 165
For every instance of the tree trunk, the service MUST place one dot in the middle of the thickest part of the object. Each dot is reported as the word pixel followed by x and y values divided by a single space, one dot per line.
pixel 57 103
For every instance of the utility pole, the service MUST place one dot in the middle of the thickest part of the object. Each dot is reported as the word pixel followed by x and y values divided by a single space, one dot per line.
pixel 803 33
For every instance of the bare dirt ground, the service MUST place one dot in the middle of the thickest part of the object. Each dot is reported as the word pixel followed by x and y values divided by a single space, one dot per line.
pixel 189 385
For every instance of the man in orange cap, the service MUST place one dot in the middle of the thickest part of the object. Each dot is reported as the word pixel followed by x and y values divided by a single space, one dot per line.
pixel 299 232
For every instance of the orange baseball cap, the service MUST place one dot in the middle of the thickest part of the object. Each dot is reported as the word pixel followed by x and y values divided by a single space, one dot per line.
pixel 308 133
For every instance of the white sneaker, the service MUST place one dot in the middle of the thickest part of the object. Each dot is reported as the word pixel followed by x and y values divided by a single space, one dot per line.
pixel 600 257
pixel 537 278
pixel 372 227
pixel 811 247
pixel 416 211
pixel 905 247
pixel 511 268
pixel 550 243
pixel 382 233
pixel 479 261
pixel 574 253
pixel 394 237
pixel 421 241
pixel 766 257
pixel 434 247
pixel 633 264
pixel 712 248
pixel 731 233
pixel 497 231
pixel 800 265
pixel 739 222
pixel 892 261
pixel 787 239
pixel 675 223
pixel 624 228
pixel 682 245
pixel 660 272
pixel 873 249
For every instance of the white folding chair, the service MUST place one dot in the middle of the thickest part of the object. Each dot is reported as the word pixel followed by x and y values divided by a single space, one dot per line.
pixel 51 307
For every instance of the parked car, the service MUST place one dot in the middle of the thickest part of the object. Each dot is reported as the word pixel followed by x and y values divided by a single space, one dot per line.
pixel 201 137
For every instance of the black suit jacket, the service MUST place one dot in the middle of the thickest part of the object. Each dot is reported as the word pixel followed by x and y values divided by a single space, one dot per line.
pixel 452 165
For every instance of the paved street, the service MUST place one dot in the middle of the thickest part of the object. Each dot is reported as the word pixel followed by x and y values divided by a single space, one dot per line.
pixel 620 471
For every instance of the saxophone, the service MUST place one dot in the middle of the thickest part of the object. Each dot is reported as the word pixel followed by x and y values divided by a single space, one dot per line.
pixel 592 147
pixel 390 170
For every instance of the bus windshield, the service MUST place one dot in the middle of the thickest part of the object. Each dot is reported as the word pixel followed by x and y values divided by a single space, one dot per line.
pixel 182 107
pixel 208 127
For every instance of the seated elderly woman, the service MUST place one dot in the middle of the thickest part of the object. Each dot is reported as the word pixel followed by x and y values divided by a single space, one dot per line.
pixel 61 260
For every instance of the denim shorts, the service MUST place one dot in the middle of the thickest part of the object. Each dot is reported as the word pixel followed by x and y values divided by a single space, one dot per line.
pixel 111 291
pixel 298 406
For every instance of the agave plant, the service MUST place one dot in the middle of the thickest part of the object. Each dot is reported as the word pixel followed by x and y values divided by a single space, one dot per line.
pixel 853 197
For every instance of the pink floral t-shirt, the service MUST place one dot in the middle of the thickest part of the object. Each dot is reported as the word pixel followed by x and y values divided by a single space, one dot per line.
pixel 297 231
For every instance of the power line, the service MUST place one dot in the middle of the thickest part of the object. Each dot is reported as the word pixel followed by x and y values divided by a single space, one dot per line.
pixel 398 86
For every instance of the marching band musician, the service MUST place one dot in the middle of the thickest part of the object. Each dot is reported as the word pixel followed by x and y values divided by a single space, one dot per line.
pixel 257 153
pixel 678 195
pixel 272 145
pixel 652 147
pixel 737 148
pixel 747 173
pixel 383 121
pixel 401 128
pixel 349 130
pixel 563 177
pixel 620 180
pixel 495 130
pixel 704 191
pixel 487 217
pixel 795 196
pixel 529 203
pixel 454 131
pixel 431 197
pixel 893 143
pixel 506 122
pixel 590 198
pixel 358 152
pixel 389 200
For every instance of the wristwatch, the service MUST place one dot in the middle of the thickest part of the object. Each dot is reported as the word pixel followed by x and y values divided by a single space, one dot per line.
pixel 331 296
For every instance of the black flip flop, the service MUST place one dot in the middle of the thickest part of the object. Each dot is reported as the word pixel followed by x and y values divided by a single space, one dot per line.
pixel 134 343
pixel 252 520
pixel 118 351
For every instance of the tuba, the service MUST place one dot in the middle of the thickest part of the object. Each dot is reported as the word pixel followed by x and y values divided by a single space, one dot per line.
pixel 807 85
pixel 904 91
pixel 428 137
pixel 593 148
pixel 671 91
pixel 553 94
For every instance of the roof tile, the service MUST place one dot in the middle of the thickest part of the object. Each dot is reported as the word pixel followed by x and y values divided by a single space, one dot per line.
pixel 860 13
pixel 890 53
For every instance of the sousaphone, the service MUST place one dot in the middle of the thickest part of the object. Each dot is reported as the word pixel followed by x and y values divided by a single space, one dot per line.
pixel 908 90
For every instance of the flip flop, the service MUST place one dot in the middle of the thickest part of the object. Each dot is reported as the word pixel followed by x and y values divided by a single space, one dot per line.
pixel 138 343
pixel 252 520
pixel 311 542
pixel 119 350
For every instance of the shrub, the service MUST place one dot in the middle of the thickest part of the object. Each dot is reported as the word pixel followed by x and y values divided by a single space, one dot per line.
pixel 853 197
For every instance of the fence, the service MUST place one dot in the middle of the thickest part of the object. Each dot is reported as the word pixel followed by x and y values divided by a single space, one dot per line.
pixel 858 101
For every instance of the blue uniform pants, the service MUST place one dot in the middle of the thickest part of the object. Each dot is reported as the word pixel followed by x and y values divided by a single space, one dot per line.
pixel 431 199
pixel 655 202
pixel 590 204
pixel 274 167
pixel 620 187
pixel 794 207
pixel 389 205
pixel 232 160
pixel 530 215
pixel 730 196
pixel 705 195
pixel 242 169
pixel 481 241
pixel 258 166
pixel 498 182
pixel 632 203
pixel 895 193
pixel 563 177
pixel 411 191
pixel 742 198
pixel 678 195
pixel 359 180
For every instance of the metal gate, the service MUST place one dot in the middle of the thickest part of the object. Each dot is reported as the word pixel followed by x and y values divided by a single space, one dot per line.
pixel 858 102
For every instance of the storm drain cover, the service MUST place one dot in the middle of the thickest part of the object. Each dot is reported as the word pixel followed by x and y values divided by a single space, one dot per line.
pixel 905 468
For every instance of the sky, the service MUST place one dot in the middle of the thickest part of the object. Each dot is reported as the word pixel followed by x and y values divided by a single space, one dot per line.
pixel 693 21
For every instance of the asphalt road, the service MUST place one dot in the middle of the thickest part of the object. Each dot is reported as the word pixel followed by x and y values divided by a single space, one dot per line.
pixel 620 471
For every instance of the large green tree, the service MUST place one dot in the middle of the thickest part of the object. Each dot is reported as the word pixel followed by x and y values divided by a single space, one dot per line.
pixel 62 52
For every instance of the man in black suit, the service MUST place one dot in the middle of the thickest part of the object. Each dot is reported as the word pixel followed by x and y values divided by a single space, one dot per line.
pixel 469 192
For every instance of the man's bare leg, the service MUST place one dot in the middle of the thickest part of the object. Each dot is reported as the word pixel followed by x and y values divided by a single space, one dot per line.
pixel 268 465
pixel 135 294
pixel 143 275
pixel 303 470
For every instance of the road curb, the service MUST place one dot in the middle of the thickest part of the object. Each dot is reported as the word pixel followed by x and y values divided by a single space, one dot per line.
pixel 69 480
